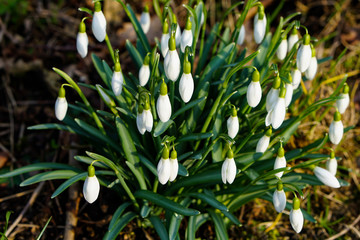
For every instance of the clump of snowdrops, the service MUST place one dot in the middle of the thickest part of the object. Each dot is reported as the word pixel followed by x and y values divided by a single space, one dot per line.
pixel 201 128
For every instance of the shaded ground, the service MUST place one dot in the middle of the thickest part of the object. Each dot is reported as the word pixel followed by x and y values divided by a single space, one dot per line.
pixel 43 36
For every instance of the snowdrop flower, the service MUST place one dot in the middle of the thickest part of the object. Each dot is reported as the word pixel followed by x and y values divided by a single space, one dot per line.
pixel 296 216
pixel 140 120
pixel 163 105
pixel 289 91
pixel 82 40
pixel 280 161
pixel 144 72
pixel 281 51
pixel 344 101
pixel 276 115
pixel 61 105
pixel 293 38
pixel 174 166
pixel 296 78
pixel 117 79
pixel 172 61
pixel 312 69
pixel 233 124
pixel 279 198
pixel 259 24
pixel 254 92
pixel 273 94
pixel 91 186
pixel 187 36
pixel 303 57
pixel 241 36
pixel 186 84
pixel 228 169
pixel 145 20
pixel 148 117
pixel 336 129
pixel 264 141
pixel 99 23
pixel 164 167
pixel 164 42
pixel 331 164
pixel 325 177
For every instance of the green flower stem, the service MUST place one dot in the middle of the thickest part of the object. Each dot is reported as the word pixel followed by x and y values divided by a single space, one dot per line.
pixel 111 50
pixel 127 189
pixel 172 93
pixel 84 99
pixel 156 184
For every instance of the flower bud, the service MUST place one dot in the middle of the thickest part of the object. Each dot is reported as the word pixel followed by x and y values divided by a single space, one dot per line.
pixel 296 216
pixel 276 116
pixel 344 100
pixel 174 166
pixel 280 162
pixel 82 41
pixel 91 186
pixel 145 20
pixel 187 36
pixel 164 42
pixel 148 117
pixel 331 164
pixel 186 84
pixel 163 167
pixel 241 36
pixel 99 23
pixel 296 78
pixel 233 124
pixel 312 69
pixel 303 57
pixel 254 92
pixel 117 80
pixel 273 94
pixel 140 121
pixel 293 38
pixel 289 91
pixel 61 105
pixel 279 198
pixel 326 177
pixel 336 129
pixel 228 169
pixel 163 105
pixel 144 72
pixel 259 25
pixel 172 61
pixel 264 141
pixel 281 51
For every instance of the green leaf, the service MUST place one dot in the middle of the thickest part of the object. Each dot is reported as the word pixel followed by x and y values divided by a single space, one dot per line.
pixel 194 224
pixel 148 164
pixel 220 228
pixel 182 171
pixel 188 106
pixel 165 202
pixel 195 137
pixel 209 200
pixel 89 160
pixel 139 176
pixel 161 127
pixel 48 126
pixel 58 174
pixel 84 9
pixel 118 213
pixel 44 228
pixel 119 225
pixel 232 218
pixel 159 227
pixel 243 198
pixel 38 167
pixel 98 64
pixel 134 54
pixel 68 183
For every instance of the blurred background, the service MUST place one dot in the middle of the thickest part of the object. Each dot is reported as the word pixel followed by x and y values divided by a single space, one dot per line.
pixel 38 35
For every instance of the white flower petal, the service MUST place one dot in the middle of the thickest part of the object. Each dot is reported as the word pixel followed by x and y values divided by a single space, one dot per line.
pixel 278 115
pixel 296 78
pixel 186 87
pixel 271 98
pixel 254 93
pixel 82 43
pixel 343 102
pixel 303 57
pixel 174 168
pixel 336 131
pixel 91 189
pixel 163 108
pixel 281 51
pixel 263 144
pixel 326 177
pixel 149 121
pixel 293 38
pixel 140 123
pixel 186 39
pixel 164 171
pixel 331 166
pixel 288 94
pixel 172 65
pixel 279 200
pixel 280 162
pixel 145 21
pixel 233 126
pixel 178 35
pixel 296 220
pixel 99 26
pixel 224 170
pixel 164 44
pixel 241 36
pixel 310 73
pixel 259 28
pixel 144 75
pixel 231 171
pixel 117 83
pixel 268 118
pixel 61 107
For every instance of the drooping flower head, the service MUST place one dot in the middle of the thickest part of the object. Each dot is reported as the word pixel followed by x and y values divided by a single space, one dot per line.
pixel 296 216
pixel 303 57
pixel 325 176
pixel 310 73
pixel 117 79
pixel 282 49
pixel 264 141
pixel 273 94
pixel 344 100
pixel 276 115
pixel 164 42
pixel 145 20
pixel 293 38
pixel 82 40
pixel 331 164
pixel 144 72
pixel 228 169
pixel 259 24
pixel 233 124
pixel 99 23
pixel 289 91
pixel 61 105
pixel 91 186
pixel 254 92
pixel 336 129
pixel 280 161
pixel 172 60
pixel 186 84
pixel 187 36
pixel 163 105
pixel 140 120
pixel 296 78
pixel 148 117
pixel 241 36
pixel 174 165
pixel 164 167
pixel 279 198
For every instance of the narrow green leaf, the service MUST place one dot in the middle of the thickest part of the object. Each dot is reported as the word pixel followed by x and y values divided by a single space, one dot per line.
pixel 161 127
pixel 182 171
pixel 220 228
pixel 139 176
pixel 232 218
pixel 44 228
pixel 58 174
pixel 195 137
pixel 134 54
pixel 159 227
pixel 119 225
pixel 68 183
pixel 188 106
pixel 118 213
pixel 209 200
pixel 48 126
pixel 38 167
pixel 98 64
